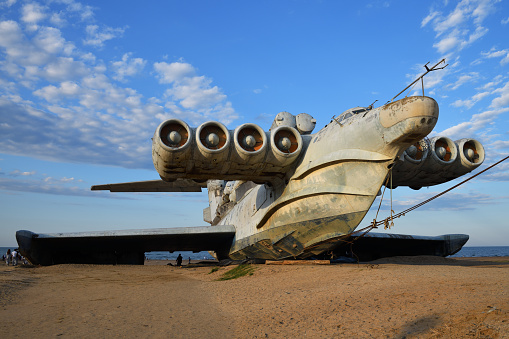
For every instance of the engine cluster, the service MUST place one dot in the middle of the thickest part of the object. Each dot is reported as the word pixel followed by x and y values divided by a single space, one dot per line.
pixel 435 161
pixel 211 151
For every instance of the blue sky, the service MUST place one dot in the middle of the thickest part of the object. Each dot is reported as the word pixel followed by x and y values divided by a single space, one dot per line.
pixel 83 86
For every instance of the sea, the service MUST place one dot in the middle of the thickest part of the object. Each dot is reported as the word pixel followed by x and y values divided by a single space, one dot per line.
pixel 155 255
pixel 467 251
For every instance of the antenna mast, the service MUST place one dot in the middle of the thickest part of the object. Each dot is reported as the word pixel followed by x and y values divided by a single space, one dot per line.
pixel 434 68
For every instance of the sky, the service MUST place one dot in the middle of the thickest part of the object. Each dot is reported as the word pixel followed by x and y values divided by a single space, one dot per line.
pixel 83 85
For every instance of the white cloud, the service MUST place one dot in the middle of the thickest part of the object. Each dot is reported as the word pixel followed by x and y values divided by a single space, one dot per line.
pixel 491 84
pixel 96 37
pixel 450 201
pixel 20 173
pixel 176 71
pixel 455 18
pixel 432 15
pixel 196 93
pixel 500 144
pixel 50 40
pixel 465 78
pixel 469 103
pixel 500 172
pixel 58 103
pixel 63 69
pixel 481 9
pixel 494 53
pixel 477 124
pixel 11 37
pixel 127 66
pixel 84 11
pixel 477 34
pixel 447 43
pixel 33 13
pixel 50 187
pixel 505 21
pixel 57 19
pixel 431 80
pixel 462 26
pixel 7 3
pixel 191 95
pixel 67 90
pixel 503 99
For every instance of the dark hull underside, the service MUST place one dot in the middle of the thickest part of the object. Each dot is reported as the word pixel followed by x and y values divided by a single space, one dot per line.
pixel 380 245
pixel 119 247
pixel 129 249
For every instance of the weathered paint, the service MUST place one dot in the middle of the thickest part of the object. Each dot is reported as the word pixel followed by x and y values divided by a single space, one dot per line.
pixel 295 201
pixel 333 185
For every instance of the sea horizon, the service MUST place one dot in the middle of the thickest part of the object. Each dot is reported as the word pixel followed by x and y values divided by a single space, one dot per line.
pixel 465 252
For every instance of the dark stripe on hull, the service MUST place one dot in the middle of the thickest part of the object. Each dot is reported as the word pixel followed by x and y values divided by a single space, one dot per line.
pixel 292 240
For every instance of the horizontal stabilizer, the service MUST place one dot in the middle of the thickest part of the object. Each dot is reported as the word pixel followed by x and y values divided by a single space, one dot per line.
pixel 179 185
pixel 120 247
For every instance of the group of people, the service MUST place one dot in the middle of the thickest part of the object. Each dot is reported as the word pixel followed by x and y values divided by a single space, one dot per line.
pixel 12 257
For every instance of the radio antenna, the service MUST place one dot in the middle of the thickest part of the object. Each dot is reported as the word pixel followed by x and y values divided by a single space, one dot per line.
pixel 434 68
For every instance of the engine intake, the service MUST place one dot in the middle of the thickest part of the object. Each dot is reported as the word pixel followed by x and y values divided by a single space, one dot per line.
pixel 286 145
pixel 250 143
pixel 212 137
pixel 418 152
pixel 443 150
pixel 174 134
pixel 172 146
pixel 471 155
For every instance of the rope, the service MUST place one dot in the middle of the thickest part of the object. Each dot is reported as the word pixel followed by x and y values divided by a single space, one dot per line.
pixel 375 224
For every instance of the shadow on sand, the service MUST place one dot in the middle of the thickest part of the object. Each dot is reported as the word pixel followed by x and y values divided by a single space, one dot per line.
pixel 419 326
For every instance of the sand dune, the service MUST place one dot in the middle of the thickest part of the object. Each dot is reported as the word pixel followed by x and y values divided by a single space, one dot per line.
pixel 423 297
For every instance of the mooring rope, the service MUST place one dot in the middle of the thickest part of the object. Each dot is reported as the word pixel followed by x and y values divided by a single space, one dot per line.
pixel 375 223
pixel 385 221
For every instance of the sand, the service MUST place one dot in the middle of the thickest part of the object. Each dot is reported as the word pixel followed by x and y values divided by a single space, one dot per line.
pixel 412 297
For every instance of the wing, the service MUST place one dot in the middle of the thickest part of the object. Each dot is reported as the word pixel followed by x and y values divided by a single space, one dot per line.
pixel 120 247
pixel 179 185
pixel 379 245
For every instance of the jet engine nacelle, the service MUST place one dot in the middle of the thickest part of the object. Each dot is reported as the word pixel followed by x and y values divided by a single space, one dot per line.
pixel 428 163
pixel 211 151
pixel 470 155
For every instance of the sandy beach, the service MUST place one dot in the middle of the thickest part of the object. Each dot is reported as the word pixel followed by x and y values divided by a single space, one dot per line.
pixel 403 297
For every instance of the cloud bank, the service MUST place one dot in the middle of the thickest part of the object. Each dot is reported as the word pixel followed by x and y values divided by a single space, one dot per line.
pixel 61 100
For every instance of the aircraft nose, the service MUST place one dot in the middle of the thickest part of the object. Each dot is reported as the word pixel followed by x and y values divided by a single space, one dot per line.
pixel 425 109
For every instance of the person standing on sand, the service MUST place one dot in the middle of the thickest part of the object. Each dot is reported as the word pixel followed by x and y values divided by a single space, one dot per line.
pixel 179 260
pixel 14 255
pixel 8 257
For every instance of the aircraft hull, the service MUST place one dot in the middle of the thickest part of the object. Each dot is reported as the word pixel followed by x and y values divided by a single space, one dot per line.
pixel 324 204
pixel 332 187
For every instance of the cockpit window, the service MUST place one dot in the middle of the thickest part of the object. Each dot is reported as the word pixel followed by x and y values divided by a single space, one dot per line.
pixel 351 112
